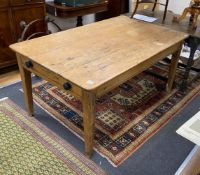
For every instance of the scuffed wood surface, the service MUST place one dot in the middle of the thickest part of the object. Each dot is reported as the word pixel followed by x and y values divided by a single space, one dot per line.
pixel 93 55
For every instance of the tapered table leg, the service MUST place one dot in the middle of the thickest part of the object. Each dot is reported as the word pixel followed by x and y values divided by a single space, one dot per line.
pixel 172 69
pixel 88 101
pixel 27 86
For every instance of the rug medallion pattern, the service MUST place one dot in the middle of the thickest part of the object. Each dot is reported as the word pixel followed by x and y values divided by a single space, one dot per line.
pixel 126 116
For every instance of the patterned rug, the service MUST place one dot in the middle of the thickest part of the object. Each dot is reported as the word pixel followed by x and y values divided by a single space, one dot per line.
pixel 125 117
pixel 28 147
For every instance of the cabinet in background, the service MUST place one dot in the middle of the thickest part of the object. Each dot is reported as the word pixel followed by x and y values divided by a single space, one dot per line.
pixel 12 12
pixel 116 8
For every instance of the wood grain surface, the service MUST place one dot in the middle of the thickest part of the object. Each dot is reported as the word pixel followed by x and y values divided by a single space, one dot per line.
pixel 101 51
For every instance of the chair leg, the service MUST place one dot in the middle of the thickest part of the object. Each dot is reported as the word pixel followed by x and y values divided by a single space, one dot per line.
pixel 184 14
pixel 136 6
pixel 165 12
pixel 154 6
pixel 194 22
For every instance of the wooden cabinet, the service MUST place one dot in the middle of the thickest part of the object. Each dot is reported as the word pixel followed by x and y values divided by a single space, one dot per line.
pixel 23 2
pixel 116 7
pixel 7 57
pixel 4 3
pixel 11 14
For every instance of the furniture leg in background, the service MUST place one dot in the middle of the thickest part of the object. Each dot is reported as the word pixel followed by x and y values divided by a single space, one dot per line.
pixel 194 10
pixel 79 11
pixel 79 21
pixel 155 2
pixel 193 42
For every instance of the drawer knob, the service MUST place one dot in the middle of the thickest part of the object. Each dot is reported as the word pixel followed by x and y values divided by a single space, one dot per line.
pixel 29 64
pixel 67 86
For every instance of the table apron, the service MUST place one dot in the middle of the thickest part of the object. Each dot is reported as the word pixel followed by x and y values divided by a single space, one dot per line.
pixel 120 79
pixel 50 76
pixel 77 91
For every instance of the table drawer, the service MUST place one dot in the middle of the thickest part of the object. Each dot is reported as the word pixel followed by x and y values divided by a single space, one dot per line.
pixel 22 2
pixel 51 77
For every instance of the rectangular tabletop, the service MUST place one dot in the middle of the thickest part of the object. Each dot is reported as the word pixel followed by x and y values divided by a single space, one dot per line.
pixel 92 55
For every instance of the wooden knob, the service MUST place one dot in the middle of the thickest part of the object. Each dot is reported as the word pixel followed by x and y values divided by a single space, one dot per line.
pixel 29 64
pixel 67 86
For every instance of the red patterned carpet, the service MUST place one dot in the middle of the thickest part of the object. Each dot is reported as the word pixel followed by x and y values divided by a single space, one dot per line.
pixel 125 117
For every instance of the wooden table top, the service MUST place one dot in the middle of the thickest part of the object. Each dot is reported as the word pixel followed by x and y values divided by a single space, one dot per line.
pixel 94 54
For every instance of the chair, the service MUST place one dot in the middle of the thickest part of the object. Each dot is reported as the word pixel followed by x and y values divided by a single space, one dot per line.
pixel 155 2
pixel 30 30
pixel 193 10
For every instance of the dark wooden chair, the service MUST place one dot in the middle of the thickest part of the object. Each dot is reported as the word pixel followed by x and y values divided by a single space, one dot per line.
pixel 155 2
pixel 31 31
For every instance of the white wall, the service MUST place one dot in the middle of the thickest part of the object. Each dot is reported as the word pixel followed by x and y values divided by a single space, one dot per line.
pixel 177 6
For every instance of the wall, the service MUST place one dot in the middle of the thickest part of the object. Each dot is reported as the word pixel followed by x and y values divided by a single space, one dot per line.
pixel 177 6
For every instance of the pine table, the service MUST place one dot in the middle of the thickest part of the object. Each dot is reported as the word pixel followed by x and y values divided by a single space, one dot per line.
pixel 93 59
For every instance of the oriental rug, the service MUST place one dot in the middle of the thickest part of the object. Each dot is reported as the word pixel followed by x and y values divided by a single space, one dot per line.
pixel 28 147
pixel 127 116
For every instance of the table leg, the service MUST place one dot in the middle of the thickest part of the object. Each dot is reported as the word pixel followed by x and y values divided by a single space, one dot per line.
pixel 89 101
pixel 172 69
pixel 79 21
pixel 27 86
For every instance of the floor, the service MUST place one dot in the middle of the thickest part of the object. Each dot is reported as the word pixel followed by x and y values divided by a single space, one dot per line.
pixel 9 78
pixel 192 166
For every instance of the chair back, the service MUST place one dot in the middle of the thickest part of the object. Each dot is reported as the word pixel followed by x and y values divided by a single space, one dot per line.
pixel 33 28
